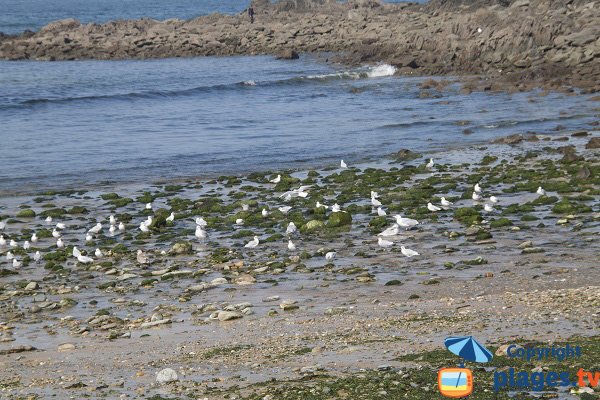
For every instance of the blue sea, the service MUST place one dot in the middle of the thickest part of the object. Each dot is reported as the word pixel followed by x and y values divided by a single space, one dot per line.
pixel 64 124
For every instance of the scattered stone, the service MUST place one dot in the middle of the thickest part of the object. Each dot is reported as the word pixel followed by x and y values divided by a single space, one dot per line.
pixel 165 376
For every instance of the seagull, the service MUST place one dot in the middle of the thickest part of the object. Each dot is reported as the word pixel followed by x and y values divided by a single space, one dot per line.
pixel 276 180
pixel 141 257
pixel 121 226
pixel 60 244
pixel 76 252
pixel 148 206
pixel 148 221
pixel 406 222
pixel 200 233
pixel 381 212
pixel 253 243
pixel 13 243
pixel 445 202
pixel 264 212
pixel 374 195
pixel 430 164
pixel 494 199
pixel 343 164
pixel 112 229
pixel 171 217
pixel 432 208
pixel 2 225
pixel 48 220
pixel 291 228
pixel 89 237
pixel 60 225
pixel 477 188
pixel 319 205
pixel 84 259
pixel 408 252
pixel 239 221
pixel 2 240
pixel 384 243
pixel 9 256
pixel 391 231
pixel 245 207
pixel 336 208
pixel 330 255
pixel 285 209
pixel 541 191
pixel 375 202
pixel 112 220
pixel 26 245
pixel 201 222
pixel 475 196
pixel 34 238
pixel 98 253
pixel 300 192
pixel 291 246
pixel 488 208
pixel 479 30
pixel 37 257
pixel 16 263
pixel 96 229
pixel 143 227
pixel 55 234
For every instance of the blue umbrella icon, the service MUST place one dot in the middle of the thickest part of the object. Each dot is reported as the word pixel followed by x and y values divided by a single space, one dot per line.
pixel 468 348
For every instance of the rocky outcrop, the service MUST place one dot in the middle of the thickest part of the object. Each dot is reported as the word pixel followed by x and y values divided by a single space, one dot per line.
pixel 514 40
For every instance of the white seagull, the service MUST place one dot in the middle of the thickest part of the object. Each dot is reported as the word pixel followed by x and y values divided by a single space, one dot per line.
pixel 201 222
pixel 391 231
pixel 89 237
pixel 475 196
pixel 264 212
pixel 121 226
pixel 381 212
pixel 148 206
pixel 9 256
pixel 48 219
pixel 16 263
pixel 276 180
pixel 143 227
pixel 406 222
pixel 319 205
pixel 2 240
pixel 336 208
pixel 541 191
pixel 239 221
pixel 96 229
pixel 477 188
pixel 285 209
pixel 488 208
pixel 291 246
pixel 84 259
pixel 245 207
pixel 98 253
pixel 26 245
pixel 37 257
pixel 60 225
pixel 445 202
pixel 375 202
pixel 34 238
pixel 13 243
pixel 432 208
pixel 55 234
pixel 291 228
pixel 330 255
pixel 112 220
pixel 343 164
pixel 200 233
pixel 60 244
pixel 430 163
pixel 76 252
pixel 494 199
pixel 408 252
pixel 253 243
pixel 384 243
pixel 171 217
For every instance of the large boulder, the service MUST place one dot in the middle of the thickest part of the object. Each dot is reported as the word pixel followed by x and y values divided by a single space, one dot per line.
pixel 341 218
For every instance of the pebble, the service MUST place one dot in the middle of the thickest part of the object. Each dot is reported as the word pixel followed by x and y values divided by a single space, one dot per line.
pixel 166 375
pixel 66 347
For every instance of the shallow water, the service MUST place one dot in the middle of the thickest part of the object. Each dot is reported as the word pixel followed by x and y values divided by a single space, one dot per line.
pixel 66 124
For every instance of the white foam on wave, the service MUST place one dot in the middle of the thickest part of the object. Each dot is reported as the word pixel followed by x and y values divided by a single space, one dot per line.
pixel 381 70
pixel 249 83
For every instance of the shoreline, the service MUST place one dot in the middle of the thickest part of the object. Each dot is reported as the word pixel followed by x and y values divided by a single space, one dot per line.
pixel 560 49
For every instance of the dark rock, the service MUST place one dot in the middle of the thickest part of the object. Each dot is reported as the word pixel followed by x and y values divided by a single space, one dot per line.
pixel 288 54
pixel 594 143
pixel 511 139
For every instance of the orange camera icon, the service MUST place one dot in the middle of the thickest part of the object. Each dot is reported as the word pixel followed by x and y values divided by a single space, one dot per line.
pixel 455 382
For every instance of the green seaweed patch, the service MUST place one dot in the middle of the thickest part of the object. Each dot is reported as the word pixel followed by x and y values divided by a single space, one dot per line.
pixel 109 196
pixel 339 219
pixel 121 202
pixel 159 220
pixel 467 216
pixel 77 210
pixel 566 207
pixel 312 226
pixel 28 213
pixel 500 222
pixel 54 213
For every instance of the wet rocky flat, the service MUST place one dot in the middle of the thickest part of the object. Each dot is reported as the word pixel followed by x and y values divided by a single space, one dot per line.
pixel 172 285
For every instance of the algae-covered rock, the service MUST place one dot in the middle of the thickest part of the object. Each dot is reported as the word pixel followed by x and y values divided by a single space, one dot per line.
pixel 467 215
pixel 28 213
pixel 312 226
pixel 182 248
pixel 339 219
pixel 160 219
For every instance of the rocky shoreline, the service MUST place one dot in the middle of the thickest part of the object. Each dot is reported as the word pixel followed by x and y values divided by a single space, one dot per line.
pixel 523 42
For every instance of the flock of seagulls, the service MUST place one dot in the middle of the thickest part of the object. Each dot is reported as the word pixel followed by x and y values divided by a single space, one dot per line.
pixel 201 224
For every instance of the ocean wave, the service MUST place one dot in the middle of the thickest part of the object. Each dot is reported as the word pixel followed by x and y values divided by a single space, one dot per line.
pixel 378 71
